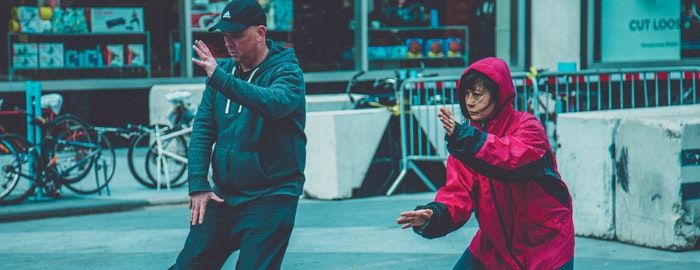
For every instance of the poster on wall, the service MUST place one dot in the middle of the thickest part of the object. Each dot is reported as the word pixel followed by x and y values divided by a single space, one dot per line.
pixel 280 14
pixel 113 55
pixel 109 20
pixel 50 55
pixel 202 21
pixel 640 30
pixel 690 28
pixel 206 13
pixel 25 55
pixel 135 55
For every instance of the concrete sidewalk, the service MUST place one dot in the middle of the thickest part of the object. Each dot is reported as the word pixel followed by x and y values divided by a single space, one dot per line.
pixel 125 194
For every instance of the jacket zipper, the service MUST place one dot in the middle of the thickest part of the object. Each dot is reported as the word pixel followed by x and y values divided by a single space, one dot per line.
pixel 509 243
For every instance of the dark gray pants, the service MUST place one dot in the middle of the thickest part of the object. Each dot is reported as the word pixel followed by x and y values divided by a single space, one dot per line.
pixel 260 229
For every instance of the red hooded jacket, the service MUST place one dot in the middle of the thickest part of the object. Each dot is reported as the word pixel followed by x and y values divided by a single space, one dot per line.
pixel 506 174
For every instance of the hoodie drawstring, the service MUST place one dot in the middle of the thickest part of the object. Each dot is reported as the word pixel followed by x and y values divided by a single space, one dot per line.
pixel 250 79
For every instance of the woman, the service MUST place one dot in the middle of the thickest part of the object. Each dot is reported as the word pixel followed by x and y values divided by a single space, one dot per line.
pixel 500 167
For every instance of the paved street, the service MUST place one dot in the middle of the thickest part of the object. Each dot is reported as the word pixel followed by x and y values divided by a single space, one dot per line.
pixel 349 234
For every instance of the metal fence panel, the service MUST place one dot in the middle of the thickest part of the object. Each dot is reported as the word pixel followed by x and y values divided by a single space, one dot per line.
pixel 545 96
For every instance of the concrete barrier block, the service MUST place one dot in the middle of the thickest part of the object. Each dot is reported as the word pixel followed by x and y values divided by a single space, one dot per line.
pixel 586 166
pixel 340 148
pixel 639 112
pixel 657 173
pixel 330 102
pixel 159 108
pixel 585 141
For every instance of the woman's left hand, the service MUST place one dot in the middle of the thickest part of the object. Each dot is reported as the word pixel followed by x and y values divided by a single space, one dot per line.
pixel 448 120
pixel 415 218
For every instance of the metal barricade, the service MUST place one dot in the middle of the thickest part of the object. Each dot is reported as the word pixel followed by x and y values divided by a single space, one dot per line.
pixel 422 135
pixel 609 89
pixel 530 98
pixel 594 90
pixel 544 95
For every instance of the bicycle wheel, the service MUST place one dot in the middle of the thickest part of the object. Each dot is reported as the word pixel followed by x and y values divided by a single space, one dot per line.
pixel 137 153
pixel 165 165
pixel 104 161
pixel 71 142
pixel 16 163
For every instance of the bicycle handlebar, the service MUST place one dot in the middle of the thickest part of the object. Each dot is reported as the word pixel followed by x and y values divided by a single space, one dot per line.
pixel 351 82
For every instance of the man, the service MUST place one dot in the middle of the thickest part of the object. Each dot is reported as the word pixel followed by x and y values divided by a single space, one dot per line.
pixel 253 107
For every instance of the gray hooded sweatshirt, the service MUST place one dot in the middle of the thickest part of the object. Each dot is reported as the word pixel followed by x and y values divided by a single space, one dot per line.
pixel 260 142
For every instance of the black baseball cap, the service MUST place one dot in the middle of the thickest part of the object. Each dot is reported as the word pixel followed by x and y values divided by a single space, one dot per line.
pixel 239 15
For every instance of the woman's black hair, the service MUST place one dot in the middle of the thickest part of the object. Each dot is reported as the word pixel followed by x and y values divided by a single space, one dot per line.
pixel 471 80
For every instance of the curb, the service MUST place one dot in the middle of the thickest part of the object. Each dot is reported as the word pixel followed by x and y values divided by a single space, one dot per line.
pixel 76 207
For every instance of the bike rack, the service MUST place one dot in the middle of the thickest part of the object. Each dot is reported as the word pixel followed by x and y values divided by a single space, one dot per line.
pixel 33 97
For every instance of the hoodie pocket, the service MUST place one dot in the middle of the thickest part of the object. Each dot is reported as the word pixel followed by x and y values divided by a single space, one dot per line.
pixel 219 167
pixel 245 172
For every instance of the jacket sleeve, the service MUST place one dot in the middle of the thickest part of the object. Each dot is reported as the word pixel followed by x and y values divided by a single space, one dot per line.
pixel 453 203
pixel 281 98
pixel 509 158
pixel 202 139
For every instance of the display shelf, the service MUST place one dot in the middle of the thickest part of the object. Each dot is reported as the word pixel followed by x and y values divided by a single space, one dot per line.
pixel 417 28
pixel 79 68
pixel 59 53
pixel 405 47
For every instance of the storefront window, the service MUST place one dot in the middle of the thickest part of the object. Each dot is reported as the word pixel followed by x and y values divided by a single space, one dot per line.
pixel 451 33
pixel 205 13
pixel 323 38
pixel 54 40
pixel 646 31
pixel 326 46
pixel 690 29
pixel 82 39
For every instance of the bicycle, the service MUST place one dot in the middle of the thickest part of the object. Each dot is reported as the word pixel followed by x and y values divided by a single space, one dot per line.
pixel 166 157
pixel 50 108
pixel 165 160
pixel 64 158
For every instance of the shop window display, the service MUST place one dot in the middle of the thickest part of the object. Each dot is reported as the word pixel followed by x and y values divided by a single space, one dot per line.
pixel 323 37
pixel 98 38
pixel 205 13
pixel 54 40
pixel 646 31
pixel 429 33
pixel 690 29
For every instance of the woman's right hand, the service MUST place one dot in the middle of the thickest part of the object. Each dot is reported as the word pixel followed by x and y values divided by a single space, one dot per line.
pixel 412 219
pixel 448 120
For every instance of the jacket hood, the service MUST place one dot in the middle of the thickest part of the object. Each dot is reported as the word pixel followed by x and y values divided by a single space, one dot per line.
pixel 498 71
pixel 277 55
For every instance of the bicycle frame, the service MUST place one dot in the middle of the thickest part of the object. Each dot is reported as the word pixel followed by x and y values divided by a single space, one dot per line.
pixel 39 175
pixel 161 163
pixel 161 138
pixel 94 151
